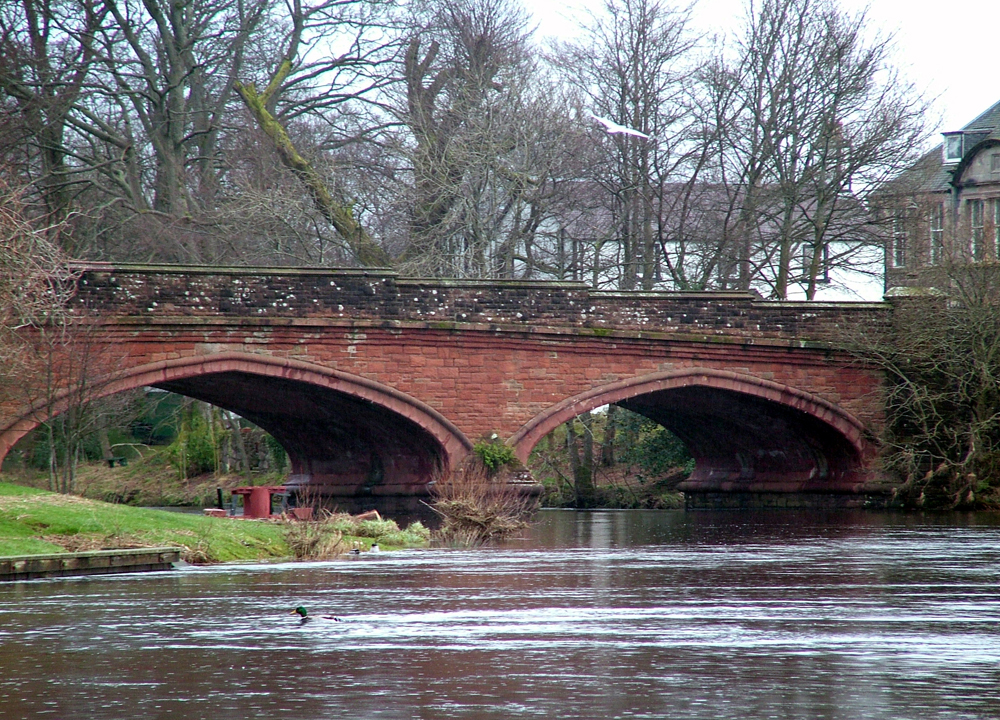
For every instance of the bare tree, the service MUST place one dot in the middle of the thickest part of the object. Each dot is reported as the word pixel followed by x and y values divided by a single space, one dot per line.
pixel 941 358
pixel 131 124
pixel 65 367
pixel 47 51
pixel 808 120
pixel 293 84
pixel 484 137
pixel 54 361
pixel 121 111
pixel 35 280
pixel 629 67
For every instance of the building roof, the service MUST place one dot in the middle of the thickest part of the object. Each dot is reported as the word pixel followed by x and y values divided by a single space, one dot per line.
pixel 929 173
pixel 989 121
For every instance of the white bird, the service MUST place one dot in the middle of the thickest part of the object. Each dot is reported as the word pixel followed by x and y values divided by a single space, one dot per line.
pixel 613 128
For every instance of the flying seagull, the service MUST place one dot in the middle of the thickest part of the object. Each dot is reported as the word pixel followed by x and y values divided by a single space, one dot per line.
pixel 613 128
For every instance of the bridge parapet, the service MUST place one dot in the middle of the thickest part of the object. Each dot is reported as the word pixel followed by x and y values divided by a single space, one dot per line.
pixel 162 293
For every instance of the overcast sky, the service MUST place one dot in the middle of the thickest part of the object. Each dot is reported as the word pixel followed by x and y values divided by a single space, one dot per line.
pixel 950 49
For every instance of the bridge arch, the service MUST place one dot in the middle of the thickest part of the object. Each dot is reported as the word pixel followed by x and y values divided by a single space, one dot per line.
pixel 740 429
pixel 344 434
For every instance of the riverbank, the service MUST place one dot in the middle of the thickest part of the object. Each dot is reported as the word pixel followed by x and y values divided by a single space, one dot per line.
pixel 145 481
pixel 34 521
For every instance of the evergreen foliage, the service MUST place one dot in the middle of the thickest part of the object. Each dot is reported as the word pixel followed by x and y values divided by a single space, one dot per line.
pixel 494 454
pixel 194 451
pixel 655 451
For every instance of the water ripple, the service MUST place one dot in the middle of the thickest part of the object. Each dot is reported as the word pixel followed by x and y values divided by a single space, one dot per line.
pixel 596 615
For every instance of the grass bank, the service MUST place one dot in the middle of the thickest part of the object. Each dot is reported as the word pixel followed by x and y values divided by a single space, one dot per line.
pixel 37 521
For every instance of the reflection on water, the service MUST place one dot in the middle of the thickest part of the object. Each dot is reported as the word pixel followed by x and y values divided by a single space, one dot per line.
pixel 595 615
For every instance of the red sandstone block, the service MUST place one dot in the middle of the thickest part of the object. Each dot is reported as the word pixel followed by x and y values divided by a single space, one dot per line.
pixel 520 373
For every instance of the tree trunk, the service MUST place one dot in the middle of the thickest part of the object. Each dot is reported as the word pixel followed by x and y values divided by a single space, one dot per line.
pixel 102 436
pixel 239 443
pixel 583 467
pixel 337 213
pixel 608 446
pixel 53 459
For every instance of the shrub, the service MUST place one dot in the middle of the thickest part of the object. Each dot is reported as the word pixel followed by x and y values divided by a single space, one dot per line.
pixel 494 454
pixel 479 505
pixel 314 540
pixel 193 451
pixel 383 532
pixel 656 452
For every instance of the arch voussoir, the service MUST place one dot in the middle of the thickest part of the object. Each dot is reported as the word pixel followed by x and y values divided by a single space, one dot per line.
pixel 452 440
pixel 853 431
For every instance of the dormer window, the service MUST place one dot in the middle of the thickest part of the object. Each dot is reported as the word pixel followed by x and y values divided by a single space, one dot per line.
pixel 954 147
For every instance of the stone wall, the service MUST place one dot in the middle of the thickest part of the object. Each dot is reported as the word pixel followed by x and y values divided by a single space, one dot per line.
pixel 153 292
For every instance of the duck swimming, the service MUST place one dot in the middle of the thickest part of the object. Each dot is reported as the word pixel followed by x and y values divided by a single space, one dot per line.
pixel 304 615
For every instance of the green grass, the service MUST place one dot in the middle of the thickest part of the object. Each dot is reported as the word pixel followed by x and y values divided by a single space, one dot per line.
pixel 36 521
pixel 384 532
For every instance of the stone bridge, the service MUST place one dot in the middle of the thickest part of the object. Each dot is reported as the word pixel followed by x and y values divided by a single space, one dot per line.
pixel 373 382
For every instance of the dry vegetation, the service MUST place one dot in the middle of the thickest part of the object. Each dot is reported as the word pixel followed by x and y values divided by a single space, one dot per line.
pixel 941 358
pixel 333 534
pixel 315 539
pixel 478 505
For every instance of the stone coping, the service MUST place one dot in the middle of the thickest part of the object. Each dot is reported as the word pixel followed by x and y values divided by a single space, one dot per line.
pixel 493 283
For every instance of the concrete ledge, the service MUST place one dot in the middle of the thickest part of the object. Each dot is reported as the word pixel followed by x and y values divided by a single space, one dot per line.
pixel 96 562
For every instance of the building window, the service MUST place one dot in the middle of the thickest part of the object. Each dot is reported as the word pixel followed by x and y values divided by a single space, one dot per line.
pixel 898 250
pixel 823 272
pixel 977 234
pixel 937 233
pixel 995 163
pixel 996 224
pixel 953 147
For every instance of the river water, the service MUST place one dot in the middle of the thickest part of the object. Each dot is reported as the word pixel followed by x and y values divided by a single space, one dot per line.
pixel 633 614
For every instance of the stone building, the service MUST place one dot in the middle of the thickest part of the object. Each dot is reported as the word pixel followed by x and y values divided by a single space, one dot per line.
pixel 944 212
